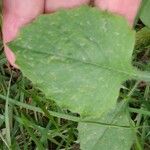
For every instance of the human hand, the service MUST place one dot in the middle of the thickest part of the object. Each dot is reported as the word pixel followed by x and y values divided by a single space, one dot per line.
pixel 17 13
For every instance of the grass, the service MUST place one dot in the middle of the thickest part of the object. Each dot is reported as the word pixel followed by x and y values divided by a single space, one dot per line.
pixel 27 121
pixel 30 121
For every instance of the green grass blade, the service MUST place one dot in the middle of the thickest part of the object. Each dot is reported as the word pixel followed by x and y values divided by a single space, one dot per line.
pixel 139 111
pixel 7 120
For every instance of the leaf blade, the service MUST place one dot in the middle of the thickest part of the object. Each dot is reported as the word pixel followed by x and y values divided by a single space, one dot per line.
pixel 84 53
pixel 144 14
pixel 108 137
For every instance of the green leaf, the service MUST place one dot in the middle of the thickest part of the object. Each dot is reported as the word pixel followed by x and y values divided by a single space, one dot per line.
pixel 144 14
pixel 117 135
pixel 77 57
pixel 143 38
pixel 1 119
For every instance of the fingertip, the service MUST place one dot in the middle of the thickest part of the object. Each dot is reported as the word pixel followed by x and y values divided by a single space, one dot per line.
pixel 54 5
pixel 10 56
pixel 125 8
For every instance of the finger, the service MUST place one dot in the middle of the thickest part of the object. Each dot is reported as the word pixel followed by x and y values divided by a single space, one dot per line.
pixel 126 8
pixel 17 13
pixel 53 5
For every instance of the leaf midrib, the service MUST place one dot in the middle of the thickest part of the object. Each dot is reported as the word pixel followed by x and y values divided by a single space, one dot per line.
pixel 129 75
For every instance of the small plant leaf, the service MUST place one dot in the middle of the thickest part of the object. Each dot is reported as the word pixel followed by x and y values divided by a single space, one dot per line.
pixel 143 38
pixel 144 14
pixel 117 135
pixel 77 57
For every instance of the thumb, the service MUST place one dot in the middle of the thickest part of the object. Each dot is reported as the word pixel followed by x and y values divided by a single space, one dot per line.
pixel 126 8
pixel 17 13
